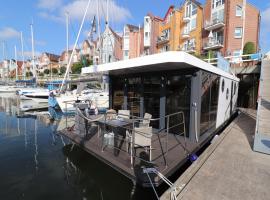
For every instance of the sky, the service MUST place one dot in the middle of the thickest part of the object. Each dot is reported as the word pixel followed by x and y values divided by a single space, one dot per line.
pixel 48 18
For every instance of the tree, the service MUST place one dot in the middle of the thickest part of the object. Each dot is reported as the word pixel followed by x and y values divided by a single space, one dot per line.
pixel 46 71
pixel 54 71
pixel 249 48
pixel 76 67
pixel 63 70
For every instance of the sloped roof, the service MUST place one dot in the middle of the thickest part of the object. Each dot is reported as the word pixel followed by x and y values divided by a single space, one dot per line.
pixel 52 57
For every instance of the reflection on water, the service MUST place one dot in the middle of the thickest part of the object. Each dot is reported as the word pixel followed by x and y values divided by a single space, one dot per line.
pixel 37 163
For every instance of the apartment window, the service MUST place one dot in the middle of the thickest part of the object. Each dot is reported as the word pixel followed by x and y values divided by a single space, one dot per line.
pixel 126 53
pixel 193 24
pixel 238 32
pixel 146 35
pixel 217 3
pixel 166 34
pixel 238 11
pixel 191 9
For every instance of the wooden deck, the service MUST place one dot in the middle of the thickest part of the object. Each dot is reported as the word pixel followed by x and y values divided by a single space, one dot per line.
pixel 118 157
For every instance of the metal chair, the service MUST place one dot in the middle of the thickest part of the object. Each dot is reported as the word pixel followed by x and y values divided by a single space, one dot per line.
pixel 146 120
pixel 124 114
pixel 142 139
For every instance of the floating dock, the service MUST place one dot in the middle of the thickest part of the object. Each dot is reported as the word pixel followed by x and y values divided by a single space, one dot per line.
pixel 229 168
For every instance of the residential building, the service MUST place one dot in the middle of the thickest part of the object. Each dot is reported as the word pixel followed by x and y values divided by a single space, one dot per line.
pixel 111 46
pixel 191 26
pixel 151 33
pixel 228 25
pixel 48 61
pixel 89 49
pixel 132 41
pixel 65 56
pixel 169 31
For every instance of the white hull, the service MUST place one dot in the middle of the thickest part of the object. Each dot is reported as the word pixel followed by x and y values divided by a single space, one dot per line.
pixel 100 100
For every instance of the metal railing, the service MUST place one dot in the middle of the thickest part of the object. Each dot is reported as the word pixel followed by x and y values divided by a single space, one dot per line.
pixel 114 138
pixel 214 42
pixel 213 22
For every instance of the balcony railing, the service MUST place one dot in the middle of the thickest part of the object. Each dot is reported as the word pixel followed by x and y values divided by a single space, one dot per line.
pixel 186 19
pixel 189 49
pixel 185 33
pixel 214 24
pixel 162 40
pixel 213 43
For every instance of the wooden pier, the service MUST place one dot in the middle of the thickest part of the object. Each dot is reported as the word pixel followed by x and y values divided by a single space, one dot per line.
pixel 229 168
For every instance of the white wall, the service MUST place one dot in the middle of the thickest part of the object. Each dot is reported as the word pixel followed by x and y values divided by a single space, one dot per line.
pixel 224 107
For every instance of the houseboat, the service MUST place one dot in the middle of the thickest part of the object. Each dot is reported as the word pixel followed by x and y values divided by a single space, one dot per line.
pixel 163 108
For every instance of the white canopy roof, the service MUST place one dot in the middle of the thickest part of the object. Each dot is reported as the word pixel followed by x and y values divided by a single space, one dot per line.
pixel 171 60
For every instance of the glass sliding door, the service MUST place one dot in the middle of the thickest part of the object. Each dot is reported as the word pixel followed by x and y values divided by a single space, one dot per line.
pixel 118 85
pixel 134 95
pixel 151 94
pixel 209 101
pixel 178 91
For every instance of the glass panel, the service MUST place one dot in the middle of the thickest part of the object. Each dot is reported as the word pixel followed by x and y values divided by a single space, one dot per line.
pixel 134 95
pixel 209 101
pixel 205 103
pixel 178 99
pixel 214 100
pixel 118 93
pixel 152 97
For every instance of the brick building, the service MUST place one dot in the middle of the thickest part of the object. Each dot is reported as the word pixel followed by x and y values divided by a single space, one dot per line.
pixel 228 25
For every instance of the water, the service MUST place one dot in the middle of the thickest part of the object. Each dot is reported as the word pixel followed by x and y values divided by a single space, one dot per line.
pixel 36 163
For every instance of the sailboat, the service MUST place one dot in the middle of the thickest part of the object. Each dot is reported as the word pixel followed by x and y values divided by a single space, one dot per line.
pixel 98 98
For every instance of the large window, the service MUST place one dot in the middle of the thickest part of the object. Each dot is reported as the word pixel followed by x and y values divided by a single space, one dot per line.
pixel 209 101
pixel 134 94
pixel 238 32
pixel 178 99
pixel 151 93
pixel 238 11
pixel 217 3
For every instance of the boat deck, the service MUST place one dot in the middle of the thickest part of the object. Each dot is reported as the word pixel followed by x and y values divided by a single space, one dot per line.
pixel 119 158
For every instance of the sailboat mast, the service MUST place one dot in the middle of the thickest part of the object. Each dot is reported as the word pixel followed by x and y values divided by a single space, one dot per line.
pixel 33 50
pixel 107 33
pixel 74 47
pixel 16 61
pixel 99 35
pixel 67 40
pixel 23 67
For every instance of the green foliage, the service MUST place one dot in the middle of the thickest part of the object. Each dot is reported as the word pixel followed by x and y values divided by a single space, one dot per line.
pixel 54 71
pixel 77 67
pixel 46 71
pixel 249 48
pixel 63 70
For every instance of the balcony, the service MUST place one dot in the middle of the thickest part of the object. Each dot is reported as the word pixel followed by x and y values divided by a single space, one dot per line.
pixel 214 24
pixel 189 49
pixel 213 43
pixel 186 34
pixel 162 40
pixel 186 19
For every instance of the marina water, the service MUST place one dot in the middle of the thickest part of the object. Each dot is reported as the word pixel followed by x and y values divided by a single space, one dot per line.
pixel 37 163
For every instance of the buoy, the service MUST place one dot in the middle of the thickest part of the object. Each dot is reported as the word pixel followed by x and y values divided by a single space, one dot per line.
pixel 193 157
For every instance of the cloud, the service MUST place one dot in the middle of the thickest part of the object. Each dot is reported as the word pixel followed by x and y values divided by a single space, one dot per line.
pixel 28 54
pixel 265 29
pixel 8 33
pixel 50 4
pixel 76 9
